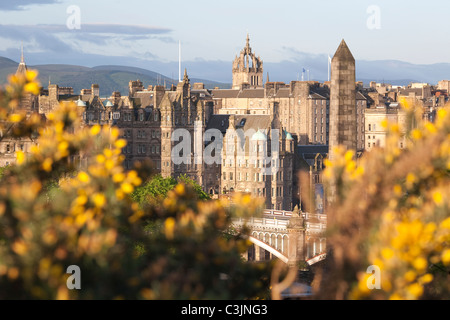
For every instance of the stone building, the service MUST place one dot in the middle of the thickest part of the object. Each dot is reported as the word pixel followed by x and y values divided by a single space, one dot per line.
pixel 258 158
pixel 184 129
pixel 10 145
pixel 375 132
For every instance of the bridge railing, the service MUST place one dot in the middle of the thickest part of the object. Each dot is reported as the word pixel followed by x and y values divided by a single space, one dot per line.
pixel 263 222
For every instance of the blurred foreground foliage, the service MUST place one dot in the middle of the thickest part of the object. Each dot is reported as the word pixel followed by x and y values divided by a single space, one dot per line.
pixel 391 209
pixel 70 202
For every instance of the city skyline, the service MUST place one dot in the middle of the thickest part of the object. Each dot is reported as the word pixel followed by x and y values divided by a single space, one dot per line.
pixel 376 30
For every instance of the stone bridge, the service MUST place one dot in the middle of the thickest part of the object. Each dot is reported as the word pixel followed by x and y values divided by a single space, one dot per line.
pixel 290 236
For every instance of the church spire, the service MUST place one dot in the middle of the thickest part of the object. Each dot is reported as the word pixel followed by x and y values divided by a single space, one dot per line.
pixel 21 54
pixel 22 68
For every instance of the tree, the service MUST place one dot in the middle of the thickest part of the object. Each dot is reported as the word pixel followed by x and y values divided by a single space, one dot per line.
pixel 157 188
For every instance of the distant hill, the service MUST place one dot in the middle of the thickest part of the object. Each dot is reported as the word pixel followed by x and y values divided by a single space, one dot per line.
pixel 115 74
pixel 109 78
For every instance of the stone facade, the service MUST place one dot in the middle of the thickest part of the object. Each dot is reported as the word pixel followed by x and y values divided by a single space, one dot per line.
pixel 375 132
pixel 157 120
pixel 343 119
pixel 8 144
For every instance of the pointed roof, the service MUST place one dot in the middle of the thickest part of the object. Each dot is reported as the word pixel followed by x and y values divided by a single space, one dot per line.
pixel 22 68
pixel 343 53
pixel 185 77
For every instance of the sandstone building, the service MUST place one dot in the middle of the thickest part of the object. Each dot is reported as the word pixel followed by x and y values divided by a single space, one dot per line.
pixel 203 130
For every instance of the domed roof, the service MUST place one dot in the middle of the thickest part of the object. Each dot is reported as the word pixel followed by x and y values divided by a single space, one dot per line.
pixel 259 136
pixel 80 103
pixel 289 136
pixel 107 103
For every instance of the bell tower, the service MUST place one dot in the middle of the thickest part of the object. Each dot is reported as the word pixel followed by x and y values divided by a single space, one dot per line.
pixel 247 69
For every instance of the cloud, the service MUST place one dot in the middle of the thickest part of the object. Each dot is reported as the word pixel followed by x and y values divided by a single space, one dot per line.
pixel 59 38
pixel 10 5
pixel 43 40
pixel 103 28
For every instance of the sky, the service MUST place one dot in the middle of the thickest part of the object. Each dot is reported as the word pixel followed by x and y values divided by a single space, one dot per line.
pixel 60 30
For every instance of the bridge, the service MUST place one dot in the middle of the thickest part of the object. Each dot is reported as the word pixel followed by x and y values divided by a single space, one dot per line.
pixel 290 236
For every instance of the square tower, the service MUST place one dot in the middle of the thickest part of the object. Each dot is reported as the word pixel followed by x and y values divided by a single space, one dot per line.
pixel 343 126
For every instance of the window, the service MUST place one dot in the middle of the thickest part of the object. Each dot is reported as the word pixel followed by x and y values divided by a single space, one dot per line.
pixel 231 176
pixel 370 127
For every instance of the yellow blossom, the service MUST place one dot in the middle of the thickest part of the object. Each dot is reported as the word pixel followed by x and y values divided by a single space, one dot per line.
pixel 31 75
pixel 169 226
pixel 446 257
pixel 415 290
pixel 118 177
pixel 32 87
pixel 83 177
pixel 20 155
pixel 126 187
pixel 437 198
pixel 121 143
pixel 47 164
pixel 95 130
pixel 416 134
pixel 99 200
pixel 420 264
pixel 15 118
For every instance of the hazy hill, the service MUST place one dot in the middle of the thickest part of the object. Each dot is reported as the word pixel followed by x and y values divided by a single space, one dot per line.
pixel 115 74
pixel 110 78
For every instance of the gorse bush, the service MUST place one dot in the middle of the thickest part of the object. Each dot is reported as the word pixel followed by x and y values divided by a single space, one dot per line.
pixel 391 209
pixel 69 202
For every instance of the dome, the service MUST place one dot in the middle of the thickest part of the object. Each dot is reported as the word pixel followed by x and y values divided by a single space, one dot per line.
pixel 289 136
pixel 80 103
pixel 107 103
pixel 259 136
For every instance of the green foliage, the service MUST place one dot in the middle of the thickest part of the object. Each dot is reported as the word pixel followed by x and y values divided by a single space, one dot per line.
pixel 156 189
